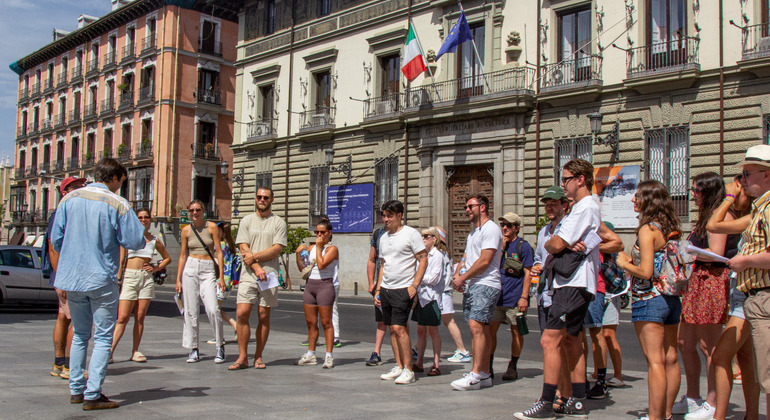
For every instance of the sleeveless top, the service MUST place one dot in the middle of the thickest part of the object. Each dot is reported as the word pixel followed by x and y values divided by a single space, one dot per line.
pixel 194 246
pixel 643 289
pixel 731 247
pixel 328 272
pixel 146 252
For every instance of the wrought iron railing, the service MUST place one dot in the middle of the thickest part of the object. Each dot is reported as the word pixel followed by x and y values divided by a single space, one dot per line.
pixel 87 161
pixel 46 125
pixel 262 128
pixel 74 116
pixel 140 204
pixel 109 60
pixel 32 171
pixel 148 44
pixel 211 48
pixel 124 152
pixel 320 117
pixel 73 163
pixel 62 80
pixel 570 73
pixel 76 74
pixel 143 151
pixel 24 94
pixel 57 166
pixel 93 67
pixel 205 151
pixel 755 41
pixel 108 107
pixel 21 132
pixel 146 95
pixel 35 90
pixel 32 129
pixel 209 96
pixel 383 105
pixel 60 121
pixel 507 80
pixel 675 55
pixel 128 53
pixel 48 87
pixel 126 100
pixel 90 111
pixel 211 210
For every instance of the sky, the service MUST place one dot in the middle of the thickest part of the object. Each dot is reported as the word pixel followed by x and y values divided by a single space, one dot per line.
pixel 26 26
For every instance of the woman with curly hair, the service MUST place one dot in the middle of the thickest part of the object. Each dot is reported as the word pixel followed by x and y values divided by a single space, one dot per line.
pixel 655 315
pixel 704 304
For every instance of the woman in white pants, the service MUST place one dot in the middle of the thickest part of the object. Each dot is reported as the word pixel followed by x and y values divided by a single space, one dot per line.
pixel 197 277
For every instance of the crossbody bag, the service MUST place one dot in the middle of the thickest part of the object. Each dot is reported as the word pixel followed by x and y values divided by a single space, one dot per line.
pixel 208 251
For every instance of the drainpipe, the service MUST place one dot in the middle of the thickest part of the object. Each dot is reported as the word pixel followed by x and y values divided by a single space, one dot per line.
pixel 721 90
pixel 288 115
pixel 406 135
pixel 156 146
pixel 537 117
pixel 170 169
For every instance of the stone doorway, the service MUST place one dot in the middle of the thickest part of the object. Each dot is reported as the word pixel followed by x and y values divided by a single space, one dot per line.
pixel 464 181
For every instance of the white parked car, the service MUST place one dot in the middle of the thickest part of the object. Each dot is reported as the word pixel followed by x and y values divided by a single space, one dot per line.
pixel 21 276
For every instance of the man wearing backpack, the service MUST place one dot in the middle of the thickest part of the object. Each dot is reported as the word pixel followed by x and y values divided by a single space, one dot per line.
pixel 517 260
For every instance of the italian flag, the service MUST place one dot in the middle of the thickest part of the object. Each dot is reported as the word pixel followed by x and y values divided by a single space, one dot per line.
pixel 413 63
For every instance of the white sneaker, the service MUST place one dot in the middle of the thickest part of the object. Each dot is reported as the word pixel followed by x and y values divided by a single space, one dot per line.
pixel 459 357
pixel 307 360
pixel 329 362
pixel 466 383
pixel 615 383
pixel 193 357
pixel 220 358
pixel 686 405
pixel 393 374
pixel 406 377
pixel 705 412
pixel 486 382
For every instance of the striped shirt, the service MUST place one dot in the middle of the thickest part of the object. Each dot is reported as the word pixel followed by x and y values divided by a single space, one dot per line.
pixel 754 240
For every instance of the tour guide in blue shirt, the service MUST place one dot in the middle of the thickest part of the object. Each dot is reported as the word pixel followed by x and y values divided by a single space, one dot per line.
pixel 91 225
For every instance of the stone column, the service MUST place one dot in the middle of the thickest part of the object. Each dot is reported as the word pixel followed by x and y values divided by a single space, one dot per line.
pixel 427 207
pixel 512 150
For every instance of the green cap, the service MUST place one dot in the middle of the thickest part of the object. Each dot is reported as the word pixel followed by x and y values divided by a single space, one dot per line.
pixel 553 193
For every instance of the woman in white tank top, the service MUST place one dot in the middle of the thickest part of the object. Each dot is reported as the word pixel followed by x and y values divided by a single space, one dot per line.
pixel 138 286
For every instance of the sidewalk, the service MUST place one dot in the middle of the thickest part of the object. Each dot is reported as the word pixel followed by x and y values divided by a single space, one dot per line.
pixel 166 386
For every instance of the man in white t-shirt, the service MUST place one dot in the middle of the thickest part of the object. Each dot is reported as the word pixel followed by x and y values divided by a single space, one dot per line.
pixel 404 260
pixel 483 252
pixel 572 293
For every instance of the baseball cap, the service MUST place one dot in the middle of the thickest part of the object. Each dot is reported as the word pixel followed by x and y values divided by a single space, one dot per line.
pixel 553 193
pixel 756 155
pixel 511 217
pixel 68 181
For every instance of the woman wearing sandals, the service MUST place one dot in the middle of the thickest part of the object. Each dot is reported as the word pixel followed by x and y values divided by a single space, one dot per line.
pixel 655 315
pixel 319 292
pixel 426 311
pixel 197 277
pixel 138 285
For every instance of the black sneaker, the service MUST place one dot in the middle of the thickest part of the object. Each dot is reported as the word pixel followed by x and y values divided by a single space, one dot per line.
pixel 511 374
pixel 541 410
pixel 599 391
pixel 574 408
pixel 374 360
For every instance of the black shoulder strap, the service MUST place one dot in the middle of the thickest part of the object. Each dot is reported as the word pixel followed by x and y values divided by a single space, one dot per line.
pixel 208 251
pixel 518 248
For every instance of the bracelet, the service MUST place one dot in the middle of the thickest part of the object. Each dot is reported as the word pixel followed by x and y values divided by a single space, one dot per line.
pixel 524 297
pixel 730 195
pixel 730 199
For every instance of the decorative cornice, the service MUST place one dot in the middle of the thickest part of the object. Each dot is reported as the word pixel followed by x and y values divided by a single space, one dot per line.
pixel 387 38
pixel 318 57
pixel 267 72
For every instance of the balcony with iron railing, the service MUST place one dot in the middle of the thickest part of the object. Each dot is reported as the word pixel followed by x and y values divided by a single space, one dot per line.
pixel 146 96
pixel 73 163
pixel 383 107
pixel 129 54
pixel 76 75
pixel 575 73
pixel 675 56
pixel 141 204
pixel 148 46
pixel 45 168
pixel 107 108
pixel 87 160
pixel 143 151
pixel 110 62
pixel 126 101
pixel 210 48
pixel 60 121
pixel 35 92
pixel 23 95
pixel 46 126
pixel 61 80
pixel 209 96
pixel 74 117
pixel 320 118
pixel 32 129
pixel 263 128
pixel 32 171
pixel 124 152
pixel 21 133
pixel 211 211
pixel 20 173
pixel 90 113
pixel 93 68
pixel 57 166
pixel 205 151
pixel 48 86
pixel 508 87
pixel 33 216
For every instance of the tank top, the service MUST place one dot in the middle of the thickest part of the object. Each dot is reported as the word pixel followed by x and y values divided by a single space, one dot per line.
pixel 146 252
pixel 328 272
pixel 195 246
pixel 643 289
pixel 731 247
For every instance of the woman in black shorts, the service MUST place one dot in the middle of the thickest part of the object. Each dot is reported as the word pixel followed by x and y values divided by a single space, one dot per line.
pixel 319 292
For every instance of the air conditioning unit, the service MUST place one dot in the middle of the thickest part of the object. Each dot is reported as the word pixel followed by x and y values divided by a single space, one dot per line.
pixel 385 107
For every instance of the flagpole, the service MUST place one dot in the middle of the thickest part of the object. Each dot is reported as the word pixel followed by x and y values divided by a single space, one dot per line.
pixel 478 57
pixel 419 44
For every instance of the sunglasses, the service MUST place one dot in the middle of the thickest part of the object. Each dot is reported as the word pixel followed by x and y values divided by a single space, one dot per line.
pixel 263 197
pixel 567 179
pixel 426 236
pixel 507 225
pixel 143 217
pixel 745 174
pixel 195 210
pixel 320 232
pixel 470 206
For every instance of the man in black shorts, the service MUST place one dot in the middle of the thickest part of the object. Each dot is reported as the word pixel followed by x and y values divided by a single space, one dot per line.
pixel 404 261
pixel 372 273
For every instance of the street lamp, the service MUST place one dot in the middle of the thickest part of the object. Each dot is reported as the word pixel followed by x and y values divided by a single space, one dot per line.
pixel 237 179
pixel 345 167
pixel 612 140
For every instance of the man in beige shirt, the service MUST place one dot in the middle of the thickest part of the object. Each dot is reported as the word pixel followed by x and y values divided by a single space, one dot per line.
pixel 261 238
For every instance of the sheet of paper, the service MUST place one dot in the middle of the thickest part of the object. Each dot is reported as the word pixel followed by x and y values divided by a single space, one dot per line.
pixel 179 303
pixel 592 240
pixel 692 249
pixel 270 282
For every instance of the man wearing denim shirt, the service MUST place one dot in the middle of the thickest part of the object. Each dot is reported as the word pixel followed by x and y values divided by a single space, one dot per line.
pixel 91 225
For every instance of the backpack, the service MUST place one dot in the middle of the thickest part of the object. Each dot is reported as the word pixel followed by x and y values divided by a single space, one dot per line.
pixel 615 280
pixel 673 270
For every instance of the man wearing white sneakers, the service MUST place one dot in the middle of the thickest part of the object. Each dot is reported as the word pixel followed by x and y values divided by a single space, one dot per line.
pixel 404 261
pixel 483 252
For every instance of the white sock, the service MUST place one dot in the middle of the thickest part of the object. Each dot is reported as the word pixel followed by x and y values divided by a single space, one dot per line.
pixel 484 375
pixel 328 354
pixel 310 353
pixel 476 376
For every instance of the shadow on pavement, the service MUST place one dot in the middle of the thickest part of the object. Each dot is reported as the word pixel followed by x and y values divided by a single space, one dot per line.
pixel 133 397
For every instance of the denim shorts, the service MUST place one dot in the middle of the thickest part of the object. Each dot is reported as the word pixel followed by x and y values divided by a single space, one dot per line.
pixel 479 303
pixel 736 304
pixel 664 309
pixel 595 314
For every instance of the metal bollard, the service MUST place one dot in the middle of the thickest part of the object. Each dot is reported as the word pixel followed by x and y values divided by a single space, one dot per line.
pixel 355 289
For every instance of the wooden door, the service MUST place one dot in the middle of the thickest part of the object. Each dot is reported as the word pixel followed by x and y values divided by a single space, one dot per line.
pixel 464 182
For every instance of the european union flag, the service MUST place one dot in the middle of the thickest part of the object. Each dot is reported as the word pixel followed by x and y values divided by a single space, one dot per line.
pixel 460 33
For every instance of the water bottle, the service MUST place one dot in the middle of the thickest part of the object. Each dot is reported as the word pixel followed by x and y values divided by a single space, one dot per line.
pixel 463 269
pixel 305 257
pixel 535 281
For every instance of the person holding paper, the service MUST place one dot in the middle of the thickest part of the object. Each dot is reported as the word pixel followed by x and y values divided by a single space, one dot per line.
pixel 319 296
pixel 704 303
pixel 197 276
pixel 261 238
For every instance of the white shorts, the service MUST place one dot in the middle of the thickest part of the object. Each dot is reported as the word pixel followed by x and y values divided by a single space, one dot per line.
pixel 612 312
pixel 447 305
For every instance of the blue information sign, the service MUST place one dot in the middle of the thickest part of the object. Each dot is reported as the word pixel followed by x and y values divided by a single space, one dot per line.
pixel 349 207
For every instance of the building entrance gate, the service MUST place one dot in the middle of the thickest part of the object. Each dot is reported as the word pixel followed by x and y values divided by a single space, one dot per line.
pixel 464 181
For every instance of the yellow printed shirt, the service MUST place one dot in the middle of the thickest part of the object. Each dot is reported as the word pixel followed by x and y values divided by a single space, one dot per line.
pixel 754 240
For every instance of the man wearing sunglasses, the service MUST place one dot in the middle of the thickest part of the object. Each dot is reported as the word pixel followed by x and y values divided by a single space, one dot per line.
pixel 752 264
pixel 261 238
